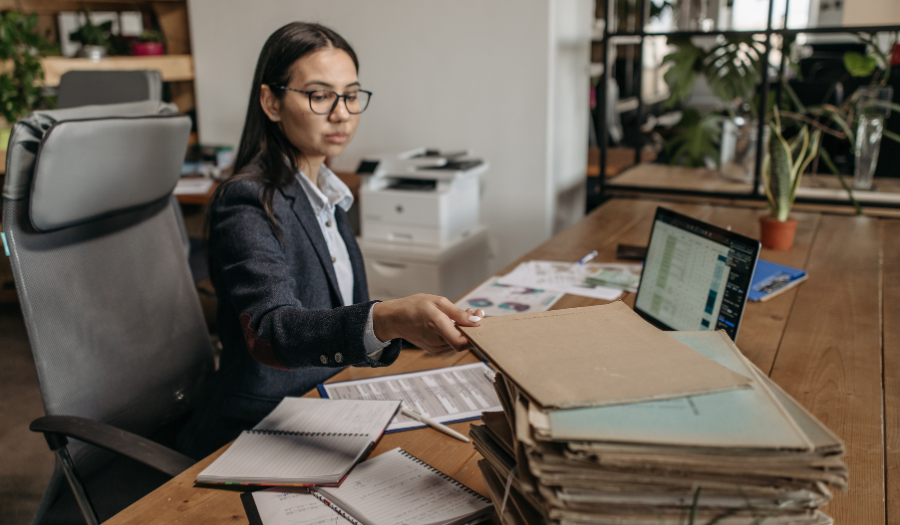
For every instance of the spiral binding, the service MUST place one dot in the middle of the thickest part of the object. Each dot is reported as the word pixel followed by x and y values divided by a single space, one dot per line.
pixel 446 477
pixel 292 433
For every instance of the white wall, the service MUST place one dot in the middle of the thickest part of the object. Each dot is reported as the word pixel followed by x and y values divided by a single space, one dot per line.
pixel 508 79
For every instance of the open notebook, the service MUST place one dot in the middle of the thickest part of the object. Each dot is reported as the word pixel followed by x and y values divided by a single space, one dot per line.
pixel 303 442
pixel 395 487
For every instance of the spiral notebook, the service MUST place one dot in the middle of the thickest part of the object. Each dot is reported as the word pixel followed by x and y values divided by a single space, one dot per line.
pixel 395 487
pixel 303 442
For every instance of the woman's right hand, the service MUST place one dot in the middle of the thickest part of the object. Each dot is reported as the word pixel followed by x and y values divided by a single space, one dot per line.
pixel 427 321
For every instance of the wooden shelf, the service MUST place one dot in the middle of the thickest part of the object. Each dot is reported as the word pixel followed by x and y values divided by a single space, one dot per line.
pixel 174 68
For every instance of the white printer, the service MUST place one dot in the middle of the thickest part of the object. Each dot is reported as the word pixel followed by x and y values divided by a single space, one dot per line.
pixel 423 196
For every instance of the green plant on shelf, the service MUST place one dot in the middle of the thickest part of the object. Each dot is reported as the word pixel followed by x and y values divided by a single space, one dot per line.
pixel 20 43
pixel 841 121
pixel 90 34
pixel 731 67
pixel 150 35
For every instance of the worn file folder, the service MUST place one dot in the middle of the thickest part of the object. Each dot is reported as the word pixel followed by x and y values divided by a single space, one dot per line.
pixel 596 356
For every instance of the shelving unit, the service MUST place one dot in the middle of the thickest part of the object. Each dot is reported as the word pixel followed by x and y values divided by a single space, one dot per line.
pixel 173 68
pixel 707 182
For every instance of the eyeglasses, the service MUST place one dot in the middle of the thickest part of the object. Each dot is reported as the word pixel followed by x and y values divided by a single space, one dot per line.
pixel 323 102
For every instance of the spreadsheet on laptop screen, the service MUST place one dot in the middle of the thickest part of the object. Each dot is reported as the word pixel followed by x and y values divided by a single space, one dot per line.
pixel 695 277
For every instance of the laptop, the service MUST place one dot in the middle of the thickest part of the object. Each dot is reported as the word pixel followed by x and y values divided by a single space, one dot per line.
pixel 696 276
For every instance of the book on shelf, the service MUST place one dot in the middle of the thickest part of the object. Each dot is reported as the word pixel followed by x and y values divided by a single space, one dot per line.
pixel 303 442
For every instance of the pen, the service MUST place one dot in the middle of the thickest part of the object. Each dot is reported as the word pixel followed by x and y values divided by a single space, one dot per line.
pixel 433 424
pixel 587 258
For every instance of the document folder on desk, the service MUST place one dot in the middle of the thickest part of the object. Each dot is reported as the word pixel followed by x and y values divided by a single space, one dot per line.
pixel 303 442
pixel 596 356
pixel 653 463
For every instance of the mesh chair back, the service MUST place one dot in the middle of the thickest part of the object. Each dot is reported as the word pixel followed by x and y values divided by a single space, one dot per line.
pixel 112 315
pixel 88 88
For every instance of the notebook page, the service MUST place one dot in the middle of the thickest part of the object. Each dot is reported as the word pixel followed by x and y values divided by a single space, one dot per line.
pixel 397 488
pixel 259 458
pixel 278 507
pixel 339 416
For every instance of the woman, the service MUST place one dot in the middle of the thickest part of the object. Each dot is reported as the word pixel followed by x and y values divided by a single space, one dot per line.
pixel 293 306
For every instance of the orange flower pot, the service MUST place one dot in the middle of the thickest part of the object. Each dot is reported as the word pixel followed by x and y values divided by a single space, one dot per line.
pixel 776 234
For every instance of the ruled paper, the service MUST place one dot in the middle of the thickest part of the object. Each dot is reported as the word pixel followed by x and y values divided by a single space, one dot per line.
pixel 395 488
pixel 277 507
pixel 303 442
pixel 340 416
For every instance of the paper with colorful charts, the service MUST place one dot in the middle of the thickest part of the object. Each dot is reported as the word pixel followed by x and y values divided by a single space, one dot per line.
pixel 503 299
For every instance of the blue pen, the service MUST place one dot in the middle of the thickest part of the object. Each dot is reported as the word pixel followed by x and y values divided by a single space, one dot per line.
pixel 587 258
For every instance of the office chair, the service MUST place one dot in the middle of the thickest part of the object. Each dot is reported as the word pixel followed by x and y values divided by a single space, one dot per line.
pixel 115 326
pixel 91 88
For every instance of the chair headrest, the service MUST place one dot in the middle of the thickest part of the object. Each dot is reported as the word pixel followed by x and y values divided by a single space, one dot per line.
pixel 83 163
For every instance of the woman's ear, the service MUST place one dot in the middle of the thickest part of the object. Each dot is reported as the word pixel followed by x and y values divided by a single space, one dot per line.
pixel 270 104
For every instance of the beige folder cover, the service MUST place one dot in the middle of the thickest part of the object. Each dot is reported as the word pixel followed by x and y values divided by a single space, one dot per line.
pixel 594 356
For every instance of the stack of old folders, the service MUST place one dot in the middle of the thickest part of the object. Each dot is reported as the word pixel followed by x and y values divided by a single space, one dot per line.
pixel 608 420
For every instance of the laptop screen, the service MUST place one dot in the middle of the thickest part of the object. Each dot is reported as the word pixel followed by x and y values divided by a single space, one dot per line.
pixel 696 276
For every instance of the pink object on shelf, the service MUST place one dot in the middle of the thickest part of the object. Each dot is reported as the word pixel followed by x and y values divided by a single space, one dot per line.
pixel 143 49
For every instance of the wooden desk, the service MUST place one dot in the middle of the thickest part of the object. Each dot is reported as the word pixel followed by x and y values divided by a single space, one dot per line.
pixel 827 342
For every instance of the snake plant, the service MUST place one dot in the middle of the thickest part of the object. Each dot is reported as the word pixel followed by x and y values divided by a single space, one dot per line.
pixel 784 166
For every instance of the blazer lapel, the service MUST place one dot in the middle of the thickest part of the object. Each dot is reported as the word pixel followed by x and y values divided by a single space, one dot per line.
pixel 304 212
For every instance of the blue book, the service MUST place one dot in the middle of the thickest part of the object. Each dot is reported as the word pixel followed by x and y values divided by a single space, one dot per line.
pixel 771 279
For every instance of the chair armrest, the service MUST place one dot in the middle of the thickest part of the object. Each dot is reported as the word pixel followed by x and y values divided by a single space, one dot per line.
pixel 57 428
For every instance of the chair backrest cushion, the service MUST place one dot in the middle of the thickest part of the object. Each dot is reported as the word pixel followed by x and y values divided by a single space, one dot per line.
pixel 87 88
pixel 121 163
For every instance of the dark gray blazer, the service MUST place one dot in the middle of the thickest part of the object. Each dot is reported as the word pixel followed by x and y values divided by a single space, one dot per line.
pixel 280 316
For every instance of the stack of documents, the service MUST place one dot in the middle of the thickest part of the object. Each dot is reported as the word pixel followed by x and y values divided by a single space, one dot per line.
pixel 671 428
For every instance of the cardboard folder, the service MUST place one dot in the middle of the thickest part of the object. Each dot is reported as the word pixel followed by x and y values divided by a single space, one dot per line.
pixel 596 356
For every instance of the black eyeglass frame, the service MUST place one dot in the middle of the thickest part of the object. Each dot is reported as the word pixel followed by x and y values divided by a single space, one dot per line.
pixel 336 100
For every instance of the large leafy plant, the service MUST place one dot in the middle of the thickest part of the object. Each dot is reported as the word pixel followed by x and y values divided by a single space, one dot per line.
pixel 23 47
pixel 784 165
pixel 732 68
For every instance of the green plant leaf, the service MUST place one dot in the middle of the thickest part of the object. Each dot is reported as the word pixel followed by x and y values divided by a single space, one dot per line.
pixel 826 159
pixel 891 135
pixel 780 182
pixel 684 65
pixel 859 65
pixel 695 138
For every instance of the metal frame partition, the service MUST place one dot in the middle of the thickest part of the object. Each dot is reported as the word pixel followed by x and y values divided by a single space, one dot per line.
pixel 600 109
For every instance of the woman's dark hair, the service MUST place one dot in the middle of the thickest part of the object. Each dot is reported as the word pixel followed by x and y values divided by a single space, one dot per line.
pixel 265 154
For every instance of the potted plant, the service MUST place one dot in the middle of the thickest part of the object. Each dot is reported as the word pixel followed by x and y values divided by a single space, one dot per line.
pixel 23 47
pixel 94 39
pixel 783 168
pixel 150 43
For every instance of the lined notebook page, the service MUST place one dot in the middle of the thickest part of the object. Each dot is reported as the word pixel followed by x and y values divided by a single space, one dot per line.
pixel 341 416
pixel 396 487
pixel 261 458
pixel 303 442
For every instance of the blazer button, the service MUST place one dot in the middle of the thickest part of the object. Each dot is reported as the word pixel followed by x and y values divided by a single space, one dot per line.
pixel 324 360
pixel 328 223
pixel 338 357
pixel 334 259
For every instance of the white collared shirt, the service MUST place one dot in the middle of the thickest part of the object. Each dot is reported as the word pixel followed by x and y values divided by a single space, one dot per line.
pixel 330 191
